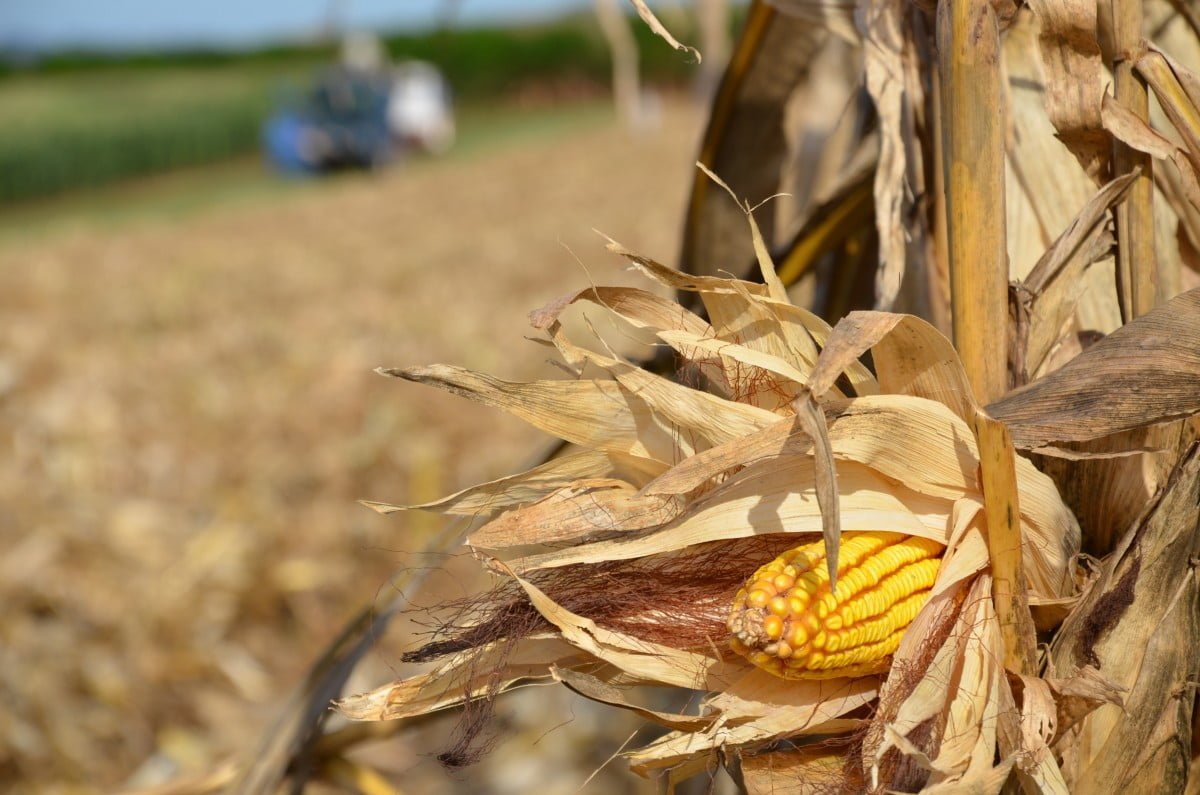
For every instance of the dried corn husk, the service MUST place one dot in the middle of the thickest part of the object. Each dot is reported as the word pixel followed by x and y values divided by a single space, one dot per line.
pixel 1140 625
pixel 687 490
pixel 615 561
pixel 774 434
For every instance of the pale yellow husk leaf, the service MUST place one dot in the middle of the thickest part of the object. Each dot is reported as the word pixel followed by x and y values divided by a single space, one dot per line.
pixel 462 676
pixel 771 708
pixel 525 487
pixel 665 467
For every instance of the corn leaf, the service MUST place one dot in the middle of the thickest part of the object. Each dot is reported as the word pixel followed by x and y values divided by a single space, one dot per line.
pixel 787 709
pixel 602 692
pixel 825 484
pixel 811 770
pixel 584 510
pixel 601 415
pixel 1056 283
pixel 969 739
pixel 884 64
pixel 1046 186
pixel 1179 91
pixel 699 419
pixel 1140 626
pixel 660 30
pixel 1036 766
pixel 911 357
pixel 772 497
pixel 745 139
pixel 642 309
pixel 643 659
pixel 462 676
pixel 1076 79
pixel 525 487
pixel 1142 374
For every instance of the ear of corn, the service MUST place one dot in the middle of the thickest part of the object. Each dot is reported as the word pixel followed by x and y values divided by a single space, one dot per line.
pixel 788 621
pixel 623 594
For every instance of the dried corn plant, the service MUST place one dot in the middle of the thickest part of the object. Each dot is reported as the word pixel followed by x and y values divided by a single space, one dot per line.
pixel 632 560
pixel 879 560
pixel 674 546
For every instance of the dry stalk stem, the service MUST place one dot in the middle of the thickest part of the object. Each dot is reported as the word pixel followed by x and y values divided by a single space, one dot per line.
pixel 973 160
pixel 1177 103
pixel 1137 277
pixel 941 243
pixel 998 474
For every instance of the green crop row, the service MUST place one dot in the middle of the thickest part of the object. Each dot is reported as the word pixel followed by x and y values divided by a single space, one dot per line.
pixel 83 120
pixel 37 162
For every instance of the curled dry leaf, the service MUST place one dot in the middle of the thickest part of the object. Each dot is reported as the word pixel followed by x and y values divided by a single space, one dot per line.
pixel 1139 625
pixel 618 562
pixel 1076 79
pixel 745 140
pixel 1140 375
pixel 809 770
pixel 1116 398
pixel 1047 298
pixel 523 488
pixel 1178 89
pixel 660 29
pixel 884 53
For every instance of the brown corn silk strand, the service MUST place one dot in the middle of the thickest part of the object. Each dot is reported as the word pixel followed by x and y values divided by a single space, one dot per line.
pixel 679 600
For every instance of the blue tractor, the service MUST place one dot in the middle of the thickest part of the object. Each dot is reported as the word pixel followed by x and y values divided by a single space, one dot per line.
pixel 340 122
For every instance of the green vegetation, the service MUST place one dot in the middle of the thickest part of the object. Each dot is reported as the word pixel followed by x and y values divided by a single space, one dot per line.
pixel 83 120
pixel 489 61
pixel 70 130
pixel 483 127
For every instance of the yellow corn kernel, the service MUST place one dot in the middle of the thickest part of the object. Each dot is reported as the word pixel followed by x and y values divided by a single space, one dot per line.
pixel 805 630
pixel 758 598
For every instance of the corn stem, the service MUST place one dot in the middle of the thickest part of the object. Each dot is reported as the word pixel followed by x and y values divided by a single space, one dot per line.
pixel 1137 278
pixel 1003 511
pixel 972 132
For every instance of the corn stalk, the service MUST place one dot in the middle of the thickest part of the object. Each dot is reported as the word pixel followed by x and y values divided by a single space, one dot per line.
pixel 973 163
pixel 722 494
pixel 1136 264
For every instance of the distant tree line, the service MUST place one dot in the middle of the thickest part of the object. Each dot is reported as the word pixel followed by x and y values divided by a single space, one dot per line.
pixel 102 117
pixel 478 61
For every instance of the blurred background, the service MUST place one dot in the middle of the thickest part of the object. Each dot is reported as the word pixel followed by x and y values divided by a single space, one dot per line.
pixel 216 219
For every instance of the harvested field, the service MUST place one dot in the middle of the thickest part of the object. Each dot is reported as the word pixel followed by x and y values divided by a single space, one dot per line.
pixel 189 413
